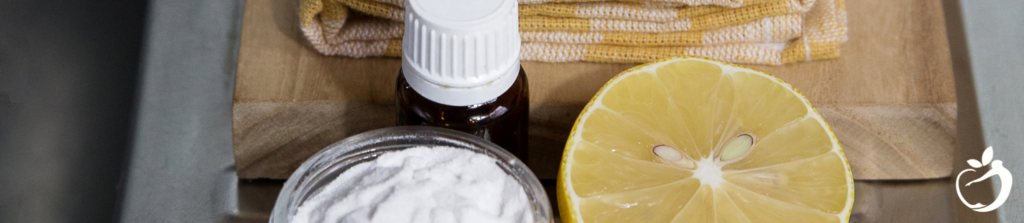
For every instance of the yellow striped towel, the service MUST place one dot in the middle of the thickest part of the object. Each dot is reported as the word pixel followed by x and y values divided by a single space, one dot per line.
pixel 757 32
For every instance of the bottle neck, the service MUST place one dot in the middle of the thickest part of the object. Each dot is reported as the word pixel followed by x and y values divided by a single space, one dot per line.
pixel 461 96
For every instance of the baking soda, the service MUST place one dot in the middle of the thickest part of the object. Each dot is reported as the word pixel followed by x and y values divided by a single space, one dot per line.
pixel 421 184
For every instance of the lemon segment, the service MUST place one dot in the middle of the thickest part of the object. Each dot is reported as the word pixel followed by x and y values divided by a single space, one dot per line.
pixel 631 175
pixel 698 140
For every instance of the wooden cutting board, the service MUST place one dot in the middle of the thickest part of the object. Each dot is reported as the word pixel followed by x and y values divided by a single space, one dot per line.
pixel 890 97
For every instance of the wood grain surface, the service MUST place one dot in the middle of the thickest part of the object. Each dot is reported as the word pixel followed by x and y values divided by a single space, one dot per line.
pixel 890 97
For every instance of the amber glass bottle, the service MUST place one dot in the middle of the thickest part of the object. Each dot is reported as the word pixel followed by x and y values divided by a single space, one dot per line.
pixel 502 120
pixel 460 70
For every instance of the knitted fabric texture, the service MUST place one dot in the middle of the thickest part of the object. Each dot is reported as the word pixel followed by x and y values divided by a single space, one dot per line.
pixel 618 31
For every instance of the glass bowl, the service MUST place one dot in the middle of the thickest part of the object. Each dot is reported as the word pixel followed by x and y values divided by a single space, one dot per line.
pixel 323 167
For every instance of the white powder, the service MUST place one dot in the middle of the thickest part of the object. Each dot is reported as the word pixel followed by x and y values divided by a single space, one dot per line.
pixel 421 184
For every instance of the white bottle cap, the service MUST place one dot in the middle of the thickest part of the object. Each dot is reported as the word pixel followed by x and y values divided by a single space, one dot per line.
pixel 461 52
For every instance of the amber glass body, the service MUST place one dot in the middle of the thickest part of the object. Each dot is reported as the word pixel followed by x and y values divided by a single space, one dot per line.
pixel 503 120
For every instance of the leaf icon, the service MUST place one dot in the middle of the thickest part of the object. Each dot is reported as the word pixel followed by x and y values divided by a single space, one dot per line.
pixel 974 163
pixel 986 157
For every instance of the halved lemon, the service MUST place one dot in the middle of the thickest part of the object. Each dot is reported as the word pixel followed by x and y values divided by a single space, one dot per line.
pixel 698 140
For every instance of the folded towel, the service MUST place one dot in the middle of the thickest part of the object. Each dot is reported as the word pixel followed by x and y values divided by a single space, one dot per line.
pixel 752 31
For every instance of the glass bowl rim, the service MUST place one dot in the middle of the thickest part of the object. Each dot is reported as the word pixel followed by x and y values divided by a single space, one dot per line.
pixel 339 156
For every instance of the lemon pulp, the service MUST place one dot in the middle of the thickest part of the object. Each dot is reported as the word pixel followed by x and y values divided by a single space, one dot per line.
pixel 697 140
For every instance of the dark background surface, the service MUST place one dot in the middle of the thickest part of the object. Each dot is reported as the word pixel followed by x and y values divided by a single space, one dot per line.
pixel 68 72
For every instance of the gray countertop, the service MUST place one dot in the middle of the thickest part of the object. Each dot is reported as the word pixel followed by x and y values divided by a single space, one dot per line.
pixel 990 63
pixel 181 170
pixel 181 165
